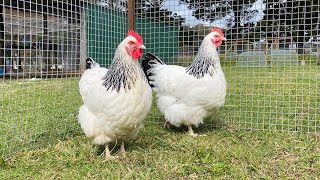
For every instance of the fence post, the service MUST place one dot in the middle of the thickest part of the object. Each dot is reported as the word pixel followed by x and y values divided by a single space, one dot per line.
pixel 131 14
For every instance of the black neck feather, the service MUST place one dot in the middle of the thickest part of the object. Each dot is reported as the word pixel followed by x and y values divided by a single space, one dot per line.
pixel 122 75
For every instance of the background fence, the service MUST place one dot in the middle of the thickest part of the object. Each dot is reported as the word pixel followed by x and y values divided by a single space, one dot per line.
pixel 271 60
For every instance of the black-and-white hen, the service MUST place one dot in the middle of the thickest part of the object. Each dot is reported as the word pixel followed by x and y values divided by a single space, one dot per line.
pixel 116 100
pixel 186 95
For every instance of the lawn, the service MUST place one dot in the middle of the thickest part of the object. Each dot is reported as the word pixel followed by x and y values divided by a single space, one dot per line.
pixel 171 154
pixel 36 113
pixel 284 98
pixel 41 139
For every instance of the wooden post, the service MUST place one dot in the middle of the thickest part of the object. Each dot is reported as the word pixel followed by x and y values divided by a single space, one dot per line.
pixel 131 14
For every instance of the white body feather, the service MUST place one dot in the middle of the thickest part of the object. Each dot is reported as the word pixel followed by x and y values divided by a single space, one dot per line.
pixel 184 98
pixel 108 115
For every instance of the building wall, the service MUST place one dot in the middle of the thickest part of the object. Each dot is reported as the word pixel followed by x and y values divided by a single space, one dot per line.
pixel 106 28
pixel 29 50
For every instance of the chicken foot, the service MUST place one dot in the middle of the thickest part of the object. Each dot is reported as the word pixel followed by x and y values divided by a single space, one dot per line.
pixel 107 152
pixel 192 134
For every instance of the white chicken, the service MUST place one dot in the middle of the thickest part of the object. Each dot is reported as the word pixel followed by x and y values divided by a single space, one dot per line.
pixel 187 95
pixel 116 100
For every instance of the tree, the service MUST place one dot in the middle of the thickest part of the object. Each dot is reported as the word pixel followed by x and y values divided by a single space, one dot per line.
pixel 152 9
pixel 296 18
pixel 238 11
pixel 121 5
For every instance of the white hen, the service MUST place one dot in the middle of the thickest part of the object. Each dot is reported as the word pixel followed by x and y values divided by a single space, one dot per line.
pixel 188 95
pixel 116 100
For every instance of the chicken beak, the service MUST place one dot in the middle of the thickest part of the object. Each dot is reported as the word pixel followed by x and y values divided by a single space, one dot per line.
pixel 142 47
pixel 224 39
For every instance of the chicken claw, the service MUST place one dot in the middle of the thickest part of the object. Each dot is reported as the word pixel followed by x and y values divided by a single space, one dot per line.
pixel 192 134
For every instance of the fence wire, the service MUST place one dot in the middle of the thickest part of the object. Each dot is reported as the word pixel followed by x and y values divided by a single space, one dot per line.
pixel 40 53
pixel 271 60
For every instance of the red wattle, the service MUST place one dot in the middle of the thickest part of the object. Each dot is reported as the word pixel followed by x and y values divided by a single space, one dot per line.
pixel 136 54
pixel 217 43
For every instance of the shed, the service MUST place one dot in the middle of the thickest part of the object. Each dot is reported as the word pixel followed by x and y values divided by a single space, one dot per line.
pixel 106 29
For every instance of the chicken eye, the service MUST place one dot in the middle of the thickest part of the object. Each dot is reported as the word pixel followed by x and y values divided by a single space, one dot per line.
pixel 131 42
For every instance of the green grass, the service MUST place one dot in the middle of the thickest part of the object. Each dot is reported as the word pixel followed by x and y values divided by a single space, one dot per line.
pixel 41 138
pixel 271 98
pixel 36 113
pixel 286 98
pixel 170 154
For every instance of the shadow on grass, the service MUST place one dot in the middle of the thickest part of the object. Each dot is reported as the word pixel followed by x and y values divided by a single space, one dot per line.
pixel 210 124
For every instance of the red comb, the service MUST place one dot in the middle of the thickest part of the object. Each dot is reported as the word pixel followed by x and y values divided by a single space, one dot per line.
pixel 218 31
pixel 135 35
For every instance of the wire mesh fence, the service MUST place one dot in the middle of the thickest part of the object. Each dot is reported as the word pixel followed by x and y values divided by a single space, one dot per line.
pixel 271 60
pixel 40 53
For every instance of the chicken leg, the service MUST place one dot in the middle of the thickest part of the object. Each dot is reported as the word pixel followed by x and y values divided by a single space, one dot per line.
pixel 122 149
pixel 191 133
pixel 166 124
pixel 107 152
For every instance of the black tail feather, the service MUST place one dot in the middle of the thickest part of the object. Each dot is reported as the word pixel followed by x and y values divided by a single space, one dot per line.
pixel 89 63
pixel 149 61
